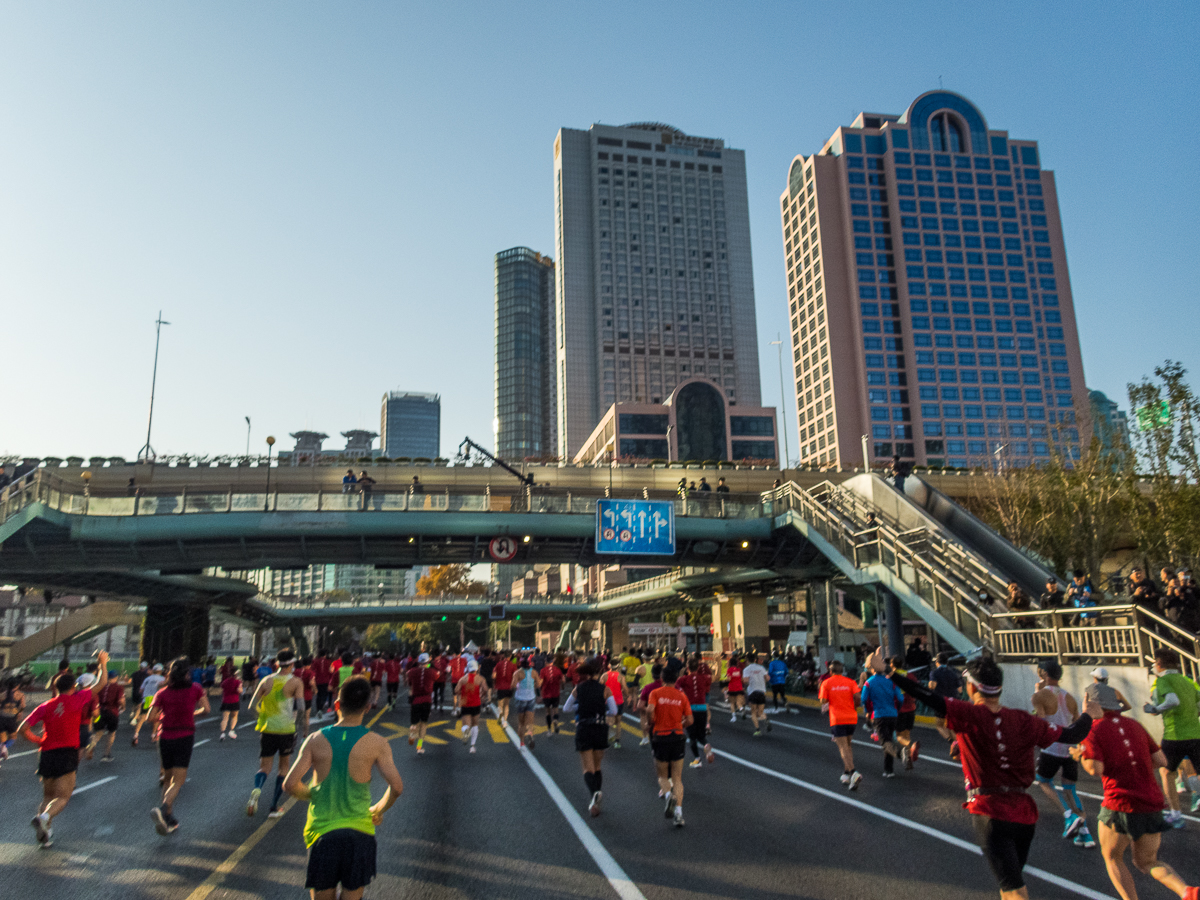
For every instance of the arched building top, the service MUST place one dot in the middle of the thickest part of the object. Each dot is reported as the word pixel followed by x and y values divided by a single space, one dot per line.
pixel 926 122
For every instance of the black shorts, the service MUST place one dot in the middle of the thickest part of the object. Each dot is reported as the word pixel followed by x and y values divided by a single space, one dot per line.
pixel 1005 846
pixel 697 730
pixel 757 698
pixel 376 684
pixel 470 710
pixel 232 706
pixel 85 734
pixel 906 720
pixel 419 713
pixel 59 762
pixel 1177 751
pixel 550 702
pixel 177 752
pixel 723 684
pixel 592 736
pixel 736 693
pixel 343 856
pixel 504 695
pixel 1048 765
pixel 1135 825
pixel 270 744
pixel 843 730
pixel 393 688
pixel 668 747
pixel 8 724
pixel 108 721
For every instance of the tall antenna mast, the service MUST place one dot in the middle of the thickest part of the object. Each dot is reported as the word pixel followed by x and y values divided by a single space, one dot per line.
pixel 147 452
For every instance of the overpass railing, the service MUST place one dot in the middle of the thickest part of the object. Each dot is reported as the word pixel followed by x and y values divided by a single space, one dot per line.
pixel 77 499
pixel 420 601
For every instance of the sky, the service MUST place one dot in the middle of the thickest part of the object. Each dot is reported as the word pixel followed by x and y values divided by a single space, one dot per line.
pixel 313 193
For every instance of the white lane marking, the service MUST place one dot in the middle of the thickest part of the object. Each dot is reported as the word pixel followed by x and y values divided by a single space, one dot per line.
pixel 1050 877
pixel 22 753
pixel 611 869
pixel 201 743
pixel 88 787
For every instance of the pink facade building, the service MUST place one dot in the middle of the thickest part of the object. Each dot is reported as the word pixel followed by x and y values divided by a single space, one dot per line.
pixel 930 302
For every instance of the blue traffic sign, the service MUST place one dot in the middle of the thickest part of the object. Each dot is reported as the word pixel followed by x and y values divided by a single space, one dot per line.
pixel 635 527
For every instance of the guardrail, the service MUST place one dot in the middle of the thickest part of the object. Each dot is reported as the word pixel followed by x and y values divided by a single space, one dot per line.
pixel 422 600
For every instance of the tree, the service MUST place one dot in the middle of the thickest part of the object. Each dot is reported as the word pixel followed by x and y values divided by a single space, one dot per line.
pixel 450 581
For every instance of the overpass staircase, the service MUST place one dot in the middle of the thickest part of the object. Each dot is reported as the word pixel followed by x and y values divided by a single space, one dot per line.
pixel 76 627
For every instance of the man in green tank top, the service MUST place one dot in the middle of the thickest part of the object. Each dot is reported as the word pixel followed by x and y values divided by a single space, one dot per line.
pixel 1174 697
pixel 340 829
pixel 278 698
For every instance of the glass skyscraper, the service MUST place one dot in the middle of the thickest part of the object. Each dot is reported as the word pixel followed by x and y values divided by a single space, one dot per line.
pixel 411 425
pixel 930 303
pixel 525 405
pixel 654 280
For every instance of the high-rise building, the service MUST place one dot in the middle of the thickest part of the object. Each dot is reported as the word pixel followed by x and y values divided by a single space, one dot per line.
pixel 930 303
pixel 411 425
pixel 525 406
pixel 654 281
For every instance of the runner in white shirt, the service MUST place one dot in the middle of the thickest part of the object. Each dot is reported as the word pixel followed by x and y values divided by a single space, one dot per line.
pixel 755 678
pixel 150 686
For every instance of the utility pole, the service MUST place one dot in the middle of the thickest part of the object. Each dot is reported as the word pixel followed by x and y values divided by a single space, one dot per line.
pixel 147 452
pixel 247 437
pixel 782 402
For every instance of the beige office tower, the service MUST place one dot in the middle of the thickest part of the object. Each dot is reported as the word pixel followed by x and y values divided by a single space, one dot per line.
pixel 653 283
pixel 930 303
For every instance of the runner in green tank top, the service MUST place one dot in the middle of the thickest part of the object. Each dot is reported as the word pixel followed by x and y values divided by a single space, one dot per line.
pixel 340 828
pixel 277 698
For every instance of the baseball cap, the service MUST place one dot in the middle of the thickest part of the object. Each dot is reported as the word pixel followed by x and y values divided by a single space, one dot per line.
pixel 112 673
pixel 157 667
pixel 1104 695
pixel 423 658
pixel 144 665
pixel 1099 672
pixel 86 680
pixel 472 666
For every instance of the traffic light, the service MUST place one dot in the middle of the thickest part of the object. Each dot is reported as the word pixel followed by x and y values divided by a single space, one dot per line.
pixel 518 617
pixel 443 618
pixel 479 618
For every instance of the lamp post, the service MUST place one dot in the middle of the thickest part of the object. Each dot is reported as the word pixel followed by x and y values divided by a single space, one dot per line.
pixel 147 452
pixel 782 400
pixel 267 496
pixel 247 437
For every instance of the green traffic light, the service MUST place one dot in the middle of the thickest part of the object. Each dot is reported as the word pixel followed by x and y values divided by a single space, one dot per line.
pixel 443 618
pixel 518 617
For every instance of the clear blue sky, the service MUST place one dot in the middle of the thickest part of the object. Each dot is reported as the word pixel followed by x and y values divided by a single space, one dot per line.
pixel 313 192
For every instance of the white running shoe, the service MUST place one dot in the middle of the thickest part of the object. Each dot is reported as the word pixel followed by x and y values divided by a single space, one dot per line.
pixel 644 742
pixel 854 781
pixel 160 821
pixel 678 817
pixel 733 718
pixel 41 826
pixel 594 806
pixel 845 779
pixel 252 803
pixel 472 750
pixel 232 735
pixel 222 737
pixel 694 764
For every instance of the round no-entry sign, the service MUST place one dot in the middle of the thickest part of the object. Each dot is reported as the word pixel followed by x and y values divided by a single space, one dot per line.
pixel 502 549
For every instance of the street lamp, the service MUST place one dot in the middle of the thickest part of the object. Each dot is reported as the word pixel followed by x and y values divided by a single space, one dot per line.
pixel 782 400
pixel 147 453
pixel 247 437
pixel 267 497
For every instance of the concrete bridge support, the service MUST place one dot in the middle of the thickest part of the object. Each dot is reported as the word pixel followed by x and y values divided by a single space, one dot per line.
pixel 170 630
pixel 740 623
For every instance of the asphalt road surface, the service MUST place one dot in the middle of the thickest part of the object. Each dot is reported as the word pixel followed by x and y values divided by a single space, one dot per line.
pixel 769 820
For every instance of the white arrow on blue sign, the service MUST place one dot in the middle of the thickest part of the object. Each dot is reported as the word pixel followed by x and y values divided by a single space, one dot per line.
pixel 635 527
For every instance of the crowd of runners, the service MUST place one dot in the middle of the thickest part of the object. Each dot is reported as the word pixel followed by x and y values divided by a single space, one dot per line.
pixel 1003 751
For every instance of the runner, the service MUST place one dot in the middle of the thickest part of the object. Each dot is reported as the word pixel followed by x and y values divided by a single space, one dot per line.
pixel 342 670
pixel 470 694
pixel 177 706
pixel 150 686
pixel 777 671
pixel 670 715
pixel 503 676
pixel 231 696
pixel 996 744
pixel 881 699
pixel 277 697
pixel 526 684
pixel 305 674
pixel 376 666
pixel 723 676
pixel 12 705
pixel 321 676
pixel 552 680
pixel 754 676
pixel 112 704
pixel 695 684
pixel 393 689
pixel 1057 707
pixel 60 718
pixel 612 681
pixel 339 830
pixel 946 683
pixel 906 718
pixel 420 680
pixel 643 701
pixel 441 667
pixel 487 669
pixel 1123 755
pixel 736 690
pixel 594 705
pixel 839 698
pixel 631 664
pixel 135 692
pixel 1174 698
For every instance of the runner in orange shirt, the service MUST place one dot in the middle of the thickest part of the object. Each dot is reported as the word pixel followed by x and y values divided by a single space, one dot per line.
pixel 670 715
pixel 839 698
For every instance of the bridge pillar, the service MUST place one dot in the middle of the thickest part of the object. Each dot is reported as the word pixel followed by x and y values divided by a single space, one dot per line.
pixel 823 602
pixel 618 631
pixel 740 623
pixel 895 622
pixel 170 630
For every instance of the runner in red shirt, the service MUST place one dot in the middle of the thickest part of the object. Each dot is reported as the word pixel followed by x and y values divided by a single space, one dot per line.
pixel 737 690
pixel 996 745
pixel 321 667
pixel 670 715
pixel 458 668
pixel 470 694
pixel 305 674
pixel 695 684
pixel 231 697
pixel 60 718
pixel 503 678
pixel 441 666
pixel 420 680
pixel 175 707
pixel 377 668
pixel 612 680
pixel 112 703
pixel 1125 757
pixel 392 670
pixel 552 680
pixel 573 671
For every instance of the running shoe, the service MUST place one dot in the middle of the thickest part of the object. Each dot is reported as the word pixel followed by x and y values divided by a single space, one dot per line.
pixel 644 742
pixel 669 808
pixel 41 826
pixel 3 751
pixel 594 806
pixel 914 752
pixel 529 741
pixel 160 820
pixel 107 758
pixel 1195 802
pixel 694 764
pixel 420 751
pixel 889 774
pixel 756 733
pixel 472 750
pixel 906 757
pixel 1084 839
pixel 709 756
pixel 232 735
pixel 133 743
pixel 1174 818
pixel 275 813
pixel 222 737
pixel 855 778
pixel 845 779
pixel 1071 823
pixel 768 724
pixel 678 818
pixel 252 803
pixel 1192 893
pixel 556 726
pixel 412 739
pixel 733 718
pixel 616 744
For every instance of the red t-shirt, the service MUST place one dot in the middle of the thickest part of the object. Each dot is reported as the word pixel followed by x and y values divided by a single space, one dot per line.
pixel 573 672
pixel 111 696
pixel 552 679
pixel 61 718
pixel 392 667
pixel 231 690
pixel 420 684
pixel 441 666
pixel 612 681
pixel 306 675
pixel 377 669
pixel 735 680
pixel 321 670
pixel 670 707
pixel 178 710
pixel 472 689
pixel 1125 748
pixel 997 751
pixel 653 686
pixel 503 674
pixel 695 687
pixel 458 668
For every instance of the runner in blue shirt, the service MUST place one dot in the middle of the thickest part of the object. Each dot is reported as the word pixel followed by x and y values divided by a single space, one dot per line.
pixel 882 701
pixel 777 671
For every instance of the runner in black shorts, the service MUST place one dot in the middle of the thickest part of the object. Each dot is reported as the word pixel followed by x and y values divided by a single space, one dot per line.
pixel 593 703
pixel 670 715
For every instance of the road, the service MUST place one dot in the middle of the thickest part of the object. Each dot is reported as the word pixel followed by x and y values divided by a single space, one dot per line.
pixel 768 821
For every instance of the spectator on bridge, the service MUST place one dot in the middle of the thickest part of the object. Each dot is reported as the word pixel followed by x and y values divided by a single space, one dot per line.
pixel 348 481
pixel 722 487
pixel 1018 601
pixel 5 478
pixel 1190 618
pixel 1143 590
pixel 1081 595
pixel 416 487
pixel 705 487
pixel 131 488
pixel 1055 597
pixel 366 485
pixel 898 472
